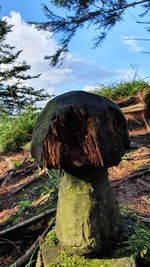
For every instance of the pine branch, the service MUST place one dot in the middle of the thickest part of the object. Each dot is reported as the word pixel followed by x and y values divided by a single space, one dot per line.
pixel 104 17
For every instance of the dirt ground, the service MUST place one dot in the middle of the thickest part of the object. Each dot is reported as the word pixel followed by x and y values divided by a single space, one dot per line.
pixel 130 182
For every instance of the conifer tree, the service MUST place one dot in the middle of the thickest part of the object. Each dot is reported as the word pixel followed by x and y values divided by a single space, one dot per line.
pixel 14 94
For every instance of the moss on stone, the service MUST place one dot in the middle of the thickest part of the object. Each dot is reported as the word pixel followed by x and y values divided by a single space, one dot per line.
pixel 53 256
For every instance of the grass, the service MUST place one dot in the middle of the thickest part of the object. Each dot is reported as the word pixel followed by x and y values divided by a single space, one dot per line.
pixel 16 131
pixel 122 89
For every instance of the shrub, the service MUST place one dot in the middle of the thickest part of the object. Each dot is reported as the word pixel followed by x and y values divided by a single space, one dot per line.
pixel 16 131
pixel 122 90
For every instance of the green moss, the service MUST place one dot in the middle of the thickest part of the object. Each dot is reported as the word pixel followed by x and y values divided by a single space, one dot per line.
pixel 51 238
pixel 64 259
pixel 68 260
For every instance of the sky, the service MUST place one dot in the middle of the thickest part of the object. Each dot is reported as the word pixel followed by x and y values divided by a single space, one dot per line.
pixel 84 68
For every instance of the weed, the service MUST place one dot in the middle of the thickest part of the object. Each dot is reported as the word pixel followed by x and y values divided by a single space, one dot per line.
pixel 25 208
pixel 32 261
pixel 53 176
pixel 52 183
pixel 17 163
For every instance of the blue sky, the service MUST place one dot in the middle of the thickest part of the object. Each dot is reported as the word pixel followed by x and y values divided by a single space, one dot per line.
pixel 84 67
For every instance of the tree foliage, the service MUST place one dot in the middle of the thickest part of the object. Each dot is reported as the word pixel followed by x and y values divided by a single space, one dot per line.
pixel 100 13
pixel 14 94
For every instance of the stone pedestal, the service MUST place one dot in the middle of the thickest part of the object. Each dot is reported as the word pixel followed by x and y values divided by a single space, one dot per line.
pixel 88 218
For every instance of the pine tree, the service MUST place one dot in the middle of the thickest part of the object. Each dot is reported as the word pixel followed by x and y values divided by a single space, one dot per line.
pixel 14 94
pixel 100 13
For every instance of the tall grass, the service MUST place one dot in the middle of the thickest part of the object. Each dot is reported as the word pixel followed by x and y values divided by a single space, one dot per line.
pixel 122 89
pixel 16 131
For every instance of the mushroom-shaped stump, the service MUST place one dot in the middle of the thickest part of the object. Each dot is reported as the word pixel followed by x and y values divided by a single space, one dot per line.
pixel 82 134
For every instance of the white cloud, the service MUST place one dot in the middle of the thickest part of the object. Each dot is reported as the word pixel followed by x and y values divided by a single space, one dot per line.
pixel 75 71
pixel 89 88
pixel 132 43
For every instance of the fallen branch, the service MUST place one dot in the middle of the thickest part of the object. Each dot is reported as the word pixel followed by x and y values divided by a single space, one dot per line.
pixel 24 185
pixel 127 102
pixel 22 260
pixel 144 155
pixel 27 223
pixel 129 177
pixel 8 177
pixel 133 109
pixel 137 156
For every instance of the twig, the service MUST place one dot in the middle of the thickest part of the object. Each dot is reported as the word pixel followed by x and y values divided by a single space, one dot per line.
pixel 48 227
pixel 11 242
pixel 143 183
pixel 22 260
pixel 137 156
pixel 8 177
pixel 42 238
pixel 27 222
pixel 129 117
pixel 134 175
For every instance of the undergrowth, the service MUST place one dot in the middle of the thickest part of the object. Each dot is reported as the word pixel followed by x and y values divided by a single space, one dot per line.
pixel 122 89
pixel 137 246
pixel 16 131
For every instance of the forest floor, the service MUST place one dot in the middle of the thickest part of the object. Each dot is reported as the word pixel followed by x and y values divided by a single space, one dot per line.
pixel 130 181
